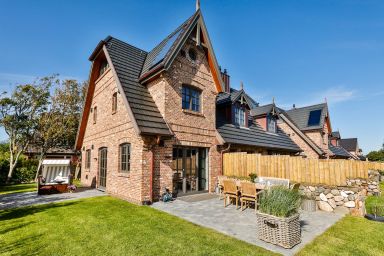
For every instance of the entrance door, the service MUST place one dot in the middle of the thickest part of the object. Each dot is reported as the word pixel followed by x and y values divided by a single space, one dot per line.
pixel 189 169
pixel 102 168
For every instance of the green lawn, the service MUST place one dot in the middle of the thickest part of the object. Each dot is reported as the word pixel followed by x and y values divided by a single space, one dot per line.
pixel 351 236
pixel 18 188
pixel 373 201
pixel 109 226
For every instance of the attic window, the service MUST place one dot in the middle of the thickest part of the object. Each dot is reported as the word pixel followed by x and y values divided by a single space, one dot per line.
pixel 192 54
pixel 271 124
pixel 314 117
pixel 103 67
pixel 114 102
pixel 239 116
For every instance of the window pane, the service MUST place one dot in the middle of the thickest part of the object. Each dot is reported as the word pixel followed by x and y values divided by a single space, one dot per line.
pixel 314 117
pixel 124 157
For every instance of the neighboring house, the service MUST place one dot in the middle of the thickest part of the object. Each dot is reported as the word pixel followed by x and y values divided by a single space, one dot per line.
pixel 352 146
pixel 267 114
pixel 55 153
pixel 241 130
pixel 149 120
pixel 337 150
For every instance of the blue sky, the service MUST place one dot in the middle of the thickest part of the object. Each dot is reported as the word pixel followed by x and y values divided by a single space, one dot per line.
pixel 296 51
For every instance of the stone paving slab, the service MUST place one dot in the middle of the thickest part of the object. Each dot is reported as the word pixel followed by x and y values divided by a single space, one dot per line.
pixel 30 198
pixel 242 225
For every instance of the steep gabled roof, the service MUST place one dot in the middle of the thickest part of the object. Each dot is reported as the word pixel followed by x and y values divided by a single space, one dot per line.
pixel 300 116
pixel 162 56
pixel 127 62
pixel 336 135
pixel 233 96
pixel 339 151
pixel 264 110
pixel 349 144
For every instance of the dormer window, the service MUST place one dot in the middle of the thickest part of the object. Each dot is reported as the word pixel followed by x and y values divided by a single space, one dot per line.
pixel 239 116
pixel 103 67
pixel 271 124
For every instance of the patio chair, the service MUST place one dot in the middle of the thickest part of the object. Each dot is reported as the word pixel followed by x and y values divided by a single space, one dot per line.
pixel 248 194
pixel 230 191
pixel 220 185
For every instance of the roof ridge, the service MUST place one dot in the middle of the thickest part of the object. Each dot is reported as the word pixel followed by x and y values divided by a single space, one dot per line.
pixel 307 106
pixel 108 38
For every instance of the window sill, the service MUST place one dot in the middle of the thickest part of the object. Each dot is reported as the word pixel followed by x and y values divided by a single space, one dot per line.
pixel 101 77
pixel 191 112
pixel 124 174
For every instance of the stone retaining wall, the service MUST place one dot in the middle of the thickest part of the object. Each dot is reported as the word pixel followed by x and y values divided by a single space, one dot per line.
pixel 351 196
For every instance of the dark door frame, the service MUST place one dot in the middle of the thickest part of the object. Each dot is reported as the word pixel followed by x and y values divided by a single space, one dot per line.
pixel 103 168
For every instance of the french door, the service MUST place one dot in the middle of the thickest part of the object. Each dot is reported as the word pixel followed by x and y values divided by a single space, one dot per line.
pixel 102 168
pixel 189 169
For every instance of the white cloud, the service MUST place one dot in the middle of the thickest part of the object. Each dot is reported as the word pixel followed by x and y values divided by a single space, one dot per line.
pixel 337 94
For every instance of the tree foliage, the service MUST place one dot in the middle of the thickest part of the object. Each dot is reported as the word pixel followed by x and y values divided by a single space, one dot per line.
pixel 20 113
pixel 376 155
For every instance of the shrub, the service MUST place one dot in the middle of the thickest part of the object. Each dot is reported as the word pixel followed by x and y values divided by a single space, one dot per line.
pixel 23 174
pixel 280 201
pixel 252 177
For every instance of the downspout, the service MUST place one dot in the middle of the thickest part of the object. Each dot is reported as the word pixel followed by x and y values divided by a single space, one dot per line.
pixel 152 168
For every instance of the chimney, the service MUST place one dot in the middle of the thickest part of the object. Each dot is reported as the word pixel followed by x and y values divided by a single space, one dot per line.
pixel 294 106
pixel 226 80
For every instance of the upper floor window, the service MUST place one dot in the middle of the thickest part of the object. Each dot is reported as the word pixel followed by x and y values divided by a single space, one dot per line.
pixel 87 159
pixel 271 124
pixel 103 67
pixel 239 117
pixel 125 157
pixel 94 114
pixel 191 98
pixel 114 102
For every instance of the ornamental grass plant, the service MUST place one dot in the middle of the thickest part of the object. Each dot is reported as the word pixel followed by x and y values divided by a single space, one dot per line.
pixel 280 201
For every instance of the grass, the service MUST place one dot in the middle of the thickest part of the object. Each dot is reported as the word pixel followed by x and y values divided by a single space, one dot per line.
pixel 18 188
pixel 373 201
pixel 109 226
pixel 350 236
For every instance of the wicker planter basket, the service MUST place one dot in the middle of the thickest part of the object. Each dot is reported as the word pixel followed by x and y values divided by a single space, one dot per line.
pixel 285 232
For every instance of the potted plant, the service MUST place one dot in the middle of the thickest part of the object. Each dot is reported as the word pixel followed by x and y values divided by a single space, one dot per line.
pixel 278 217
pixel 308 203
pixel 252 177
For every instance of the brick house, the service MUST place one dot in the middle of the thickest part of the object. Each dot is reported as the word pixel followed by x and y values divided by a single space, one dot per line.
pixel 163 118
pixel 308 127
pixel 352 146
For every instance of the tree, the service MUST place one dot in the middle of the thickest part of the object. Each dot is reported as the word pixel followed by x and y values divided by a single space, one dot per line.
pixel 376 155
pixel 57 127
pixel 19 116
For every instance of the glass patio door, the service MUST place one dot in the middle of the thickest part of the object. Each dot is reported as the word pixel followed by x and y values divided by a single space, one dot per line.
pixel 102 168
pixel 189 169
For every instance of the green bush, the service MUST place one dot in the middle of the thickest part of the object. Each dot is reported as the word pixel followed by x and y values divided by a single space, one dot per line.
pixel 280 201
pixel 23 174
pixel 252 177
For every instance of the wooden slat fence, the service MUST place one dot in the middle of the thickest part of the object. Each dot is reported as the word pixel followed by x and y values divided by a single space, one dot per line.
pixel 297 169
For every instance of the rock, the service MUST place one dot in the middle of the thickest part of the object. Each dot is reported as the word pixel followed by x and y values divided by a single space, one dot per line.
pixel 312 189
pixel 343 194
pixel 358 182
pixel 349 183
pixel 351 197
pixel 354 190
pixel 369 194
pixel 318 198
pixel 349 192
pixel 345 200
pixel 335 192
pixel 361 204
pixel 374 183
pixel 339 203
pixel 320 189
pixel 327 191
pixel 372 186
pixel 376 190
pixel 323 197
pixel 332 203
pixel 324 206
pixel 363 192
pixel 329 195
pixel 338 198
pixel 350 204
